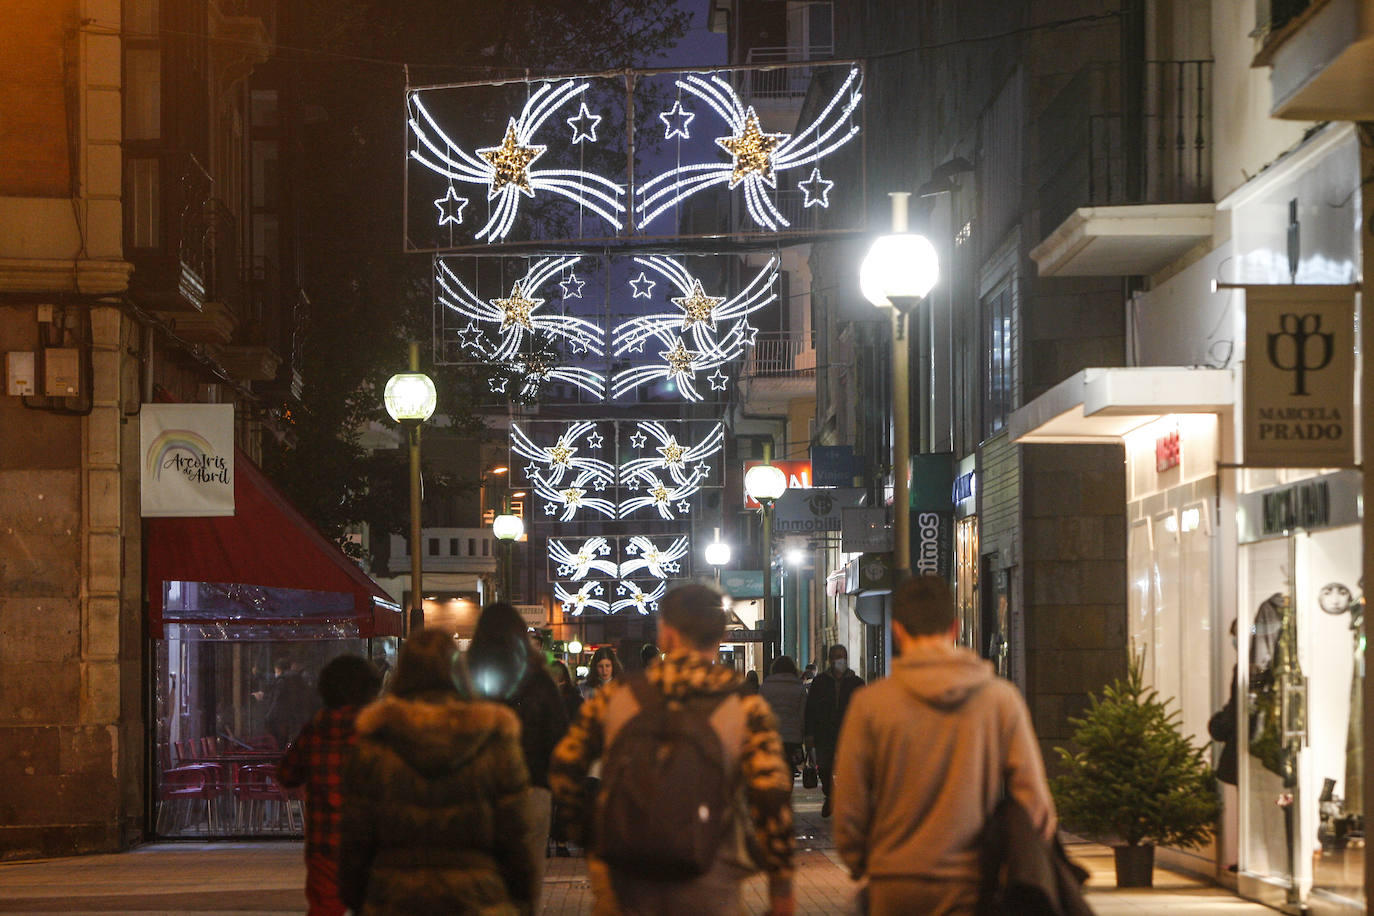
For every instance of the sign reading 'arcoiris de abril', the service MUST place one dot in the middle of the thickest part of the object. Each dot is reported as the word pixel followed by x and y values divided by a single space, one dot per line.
pixel 188 459
pixel 1299 376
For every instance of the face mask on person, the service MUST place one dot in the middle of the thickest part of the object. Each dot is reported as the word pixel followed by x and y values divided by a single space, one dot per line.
pixel 838 665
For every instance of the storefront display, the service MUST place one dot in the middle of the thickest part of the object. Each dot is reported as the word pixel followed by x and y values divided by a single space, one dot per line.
pixel 1303 621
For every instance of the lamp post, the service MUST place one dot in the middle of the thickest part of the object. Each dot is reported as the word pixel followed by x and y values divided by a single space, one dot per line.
pixel 507 528
pixel 717 554
pixel 897 274
pixel 765 483
pixel 410 400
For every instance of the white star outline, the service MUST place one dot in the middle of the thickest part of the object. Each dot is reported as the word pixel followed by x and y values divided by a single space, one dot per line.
pixel 583 115
pixel 642 287
pixel 678 114
pixel 450 207
pixel 810 197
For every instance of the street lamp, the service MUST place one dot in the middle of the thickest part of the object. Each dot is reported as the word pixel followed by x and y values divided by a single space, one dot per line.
pixel 410 399
pixel 717 554
pixel 898 272
pixel 765 483
pixel 507 528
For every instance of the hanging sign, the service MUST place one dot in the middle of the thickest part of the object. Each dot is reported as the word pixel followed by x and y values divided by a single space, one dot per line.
pixel 1299 376
pixel 187 466
pixel 814 511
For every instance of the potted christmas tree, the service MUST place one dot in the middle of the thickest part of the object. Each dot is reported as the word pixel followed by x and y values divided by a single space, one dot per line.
pixel 1135 779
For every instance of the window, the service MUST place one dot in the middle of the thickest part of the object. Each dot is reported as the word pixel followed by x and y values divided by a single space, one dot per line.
pixel 999 358
pixel 433 547
pixel 453 547
pixel 486 547
pixel 472 547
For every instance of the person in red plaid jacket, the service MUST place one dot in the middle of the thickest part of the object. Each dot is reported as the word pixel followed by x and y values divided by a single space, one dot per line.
pixel 316 760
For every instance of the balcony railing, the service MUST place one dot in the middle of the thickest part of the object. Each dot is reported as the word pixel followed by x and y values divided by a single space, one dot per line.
pixel 1095 155
pixel 786 82
pixel 781 354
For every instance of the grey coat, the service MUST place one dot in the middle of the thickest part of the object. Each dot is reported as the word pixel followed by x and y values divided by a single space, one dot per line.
pixel 787 696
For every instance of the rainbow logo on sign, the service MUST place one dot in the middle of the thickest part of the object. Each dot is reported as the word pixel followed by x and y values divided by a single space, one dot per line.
pixel 174 440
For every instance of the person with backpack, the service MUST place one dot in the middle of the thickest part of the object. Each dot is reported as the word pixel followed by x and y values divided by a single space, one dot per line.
pixel 924 757
pixel 694 794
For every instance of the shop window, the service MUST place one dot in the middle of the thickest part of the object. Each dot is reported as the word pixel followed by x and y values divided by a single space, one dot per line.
pixel 999 358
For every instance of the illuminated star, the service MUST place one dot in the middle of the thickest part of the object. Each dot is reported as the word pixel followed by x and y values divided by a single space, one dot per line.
pixel 572 496
pixel 578 346
pixel 595 440
pixel 701 469
pixel 560 453
pixel 659 493
pixel 450 207
pixel 643 287
pixel 749 335
pixel 510 163
pixel 550 508
pixel 498 384
pixel 471 336
pixel 672 453
pixel 636 347
pixel 638 440
pixel 584 125
pixel 600 485
pixel 679 358
pixel 675 120
pixel 516 309
pixel 816 190
pixel 752 151
pixel 531 470
pixel 718 380
pixel 633 485
pixel 572 287
pixel 684 507
pixel 698 306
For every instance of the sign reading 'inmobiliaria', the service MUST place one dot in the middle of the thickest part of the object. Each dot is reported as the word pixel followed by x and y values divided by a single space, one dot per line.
pixel 1299 376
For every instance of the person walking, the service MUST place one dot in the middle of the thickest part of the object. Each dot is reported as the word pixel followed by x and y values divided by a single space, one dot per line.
pixel 671 826
pixel 563 680
pixel 605 669
pixel 316 761
pixel 434 808
pixel 506 668
pixel 924 757
pixel 826 703
pixel 787 698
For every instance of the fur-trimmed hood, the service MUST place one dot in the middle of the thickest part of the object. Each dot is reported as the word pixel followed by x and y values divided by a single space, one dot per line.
pixel 436 734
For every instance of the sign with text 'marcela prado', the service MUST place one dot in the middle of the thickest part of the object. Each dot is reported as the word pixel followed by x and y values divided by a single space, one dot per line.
pixel 1299 376
pixel 187 459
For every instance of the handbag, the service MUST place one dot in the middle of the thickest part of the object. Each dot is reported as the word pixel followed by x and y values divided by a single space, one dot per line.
pixel 810 778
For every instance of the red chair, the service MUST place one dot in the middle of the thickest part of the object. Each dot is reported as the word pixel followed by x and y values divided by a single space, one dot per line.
pixel 200 782
pixel 256 788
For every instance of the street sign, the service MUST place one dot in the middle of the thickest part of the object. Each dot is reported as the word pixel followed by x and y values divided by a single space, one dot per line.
pixel 865 530
pixel 534 615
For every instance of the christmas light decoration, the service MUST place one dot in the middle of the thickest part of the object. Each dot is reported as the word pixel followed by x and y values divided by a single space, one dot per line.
pixel 551 464
pixel 564 500
pixel 517 319
pixel 584 124
pixel 584 599
pixel 815 190
pixel 507 168
pixel 642 287
pixel 450 207
pixel 704 348
pixel 679 462
pixel 755 156
pixel 572 286
pixel 588 557
pixel 638 600
pixel 666 498
pixel 645 555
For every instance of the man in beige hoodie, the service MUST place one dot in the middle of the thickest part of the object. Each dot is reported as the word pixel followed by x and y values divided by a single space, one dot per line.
pixel 922 761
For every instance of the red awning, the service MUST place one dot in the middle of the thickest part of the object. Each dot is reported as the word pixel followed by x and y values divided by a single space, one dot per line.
pixel 266 544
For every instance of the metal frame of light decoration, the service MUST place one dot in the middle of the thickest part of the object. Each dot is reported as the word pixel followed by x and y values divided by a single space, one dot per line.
pixel 697 323
pixel 505 169
pixel 518 322
pixel 432 149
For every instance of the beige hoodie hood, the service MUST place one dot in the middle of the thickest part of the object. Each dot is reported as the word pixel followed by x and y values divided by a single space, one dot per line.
pixel 942 678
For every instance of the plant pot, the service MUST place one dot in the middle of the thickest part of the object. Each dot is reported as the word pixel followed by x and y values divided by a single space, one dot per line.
pixel 1135 865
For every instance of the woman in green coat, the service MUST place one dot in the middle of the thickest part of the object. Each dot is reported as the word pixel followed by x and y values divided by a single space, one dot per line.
pixel 434 809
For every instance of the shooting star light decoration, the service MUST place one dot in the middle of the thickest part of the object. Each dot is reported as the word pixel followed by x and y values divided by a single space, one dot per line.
pixel 587 558
pixel 691 340
pixel 550 464
pixel 506 169
pixel 755 156
pixel 584 599
pixel 679 461
pixel 637 599
pixel 645 555
pixel 520 326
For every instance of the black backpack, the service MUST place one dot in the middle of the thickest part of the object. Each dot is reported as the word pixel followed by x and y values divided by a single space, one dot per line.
pixel 667 801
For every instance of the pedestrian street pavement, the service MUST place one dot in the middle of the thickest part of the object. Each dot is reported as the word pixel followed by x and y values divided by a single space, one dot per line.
pixel 267 878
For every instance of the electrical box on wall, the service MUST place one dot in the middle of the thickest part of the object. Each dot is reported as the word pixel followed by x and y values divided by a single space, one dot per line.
pixel 61 372
pixel 19 373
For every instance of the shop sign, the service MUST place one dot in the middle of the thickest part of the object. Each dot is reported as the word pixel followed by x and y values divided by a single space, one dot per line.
pixel 867 574
pixel 865 530
pixel 743 584
pixel 814 511
pixel 187 467
pixel 833 466
pixel 534 615
pixel 798 477
pixel 1328 501
pixel 1299 376
pixel 964 491
pixel 750 636
pixel 932 544
pixel 1168 451
pixel 932 480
